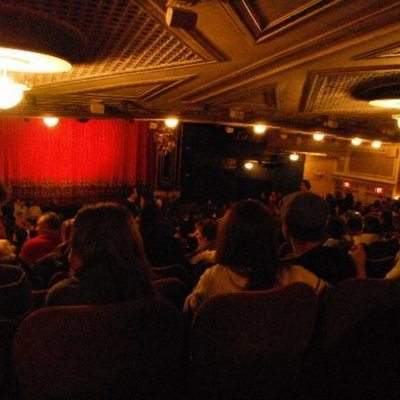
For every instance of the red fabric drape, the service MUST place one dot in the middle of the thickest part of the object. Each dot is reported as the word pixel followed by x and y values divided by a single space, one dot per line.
pixel 114 151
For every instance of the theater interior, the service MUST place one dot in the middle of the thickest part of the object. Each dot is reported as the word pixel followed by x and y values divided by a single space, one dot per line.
pixel 221 67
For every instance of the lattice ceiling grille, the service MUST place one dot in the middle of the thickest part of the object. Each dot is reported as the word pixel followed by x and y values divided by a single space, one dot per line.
pixel 118 36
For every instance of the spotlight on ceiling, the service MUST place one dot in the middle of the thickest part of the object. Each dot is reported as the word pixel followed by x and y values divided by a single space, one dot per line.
pixel 376 144
pixel 171 122
pixel 318 136
pixel 356 141
pixel 50 121
pixel 260 129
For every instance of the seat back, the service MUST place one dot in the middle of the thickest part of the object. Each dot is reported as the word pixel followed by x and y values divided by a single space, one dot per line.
pixel 171 271
pixel 381 257
pixel 171 289
pixel 251 344
pixel 7 383
pixel 102 352
pixel 356 348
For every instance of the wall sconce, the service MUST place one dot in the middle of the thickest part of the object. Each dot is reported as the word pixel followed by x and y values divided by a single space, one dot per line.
pixel 356 141
pixel 249 165
pixel 260 129
pixel 318 136
pixel 376 144
pixel 171 122
pixel 294 157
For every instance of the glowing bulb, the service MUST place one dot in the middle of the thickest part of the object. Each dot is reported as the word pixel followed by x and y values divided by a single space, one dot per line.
pixel 11 93
pixel 356 141
pixel 376 144
pixel 318 136
pixel 346 184
pixel 294 157
pixel 50 121
pixel 397 118
pixel 259 129
pixel 249 165
pixel 171 122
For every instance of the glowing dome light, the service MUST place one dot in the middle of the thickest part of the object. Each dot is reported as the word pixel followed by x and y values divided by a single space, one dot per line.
pixel 171 122
pixel 376 144
pixel 259 129
pixel 356 141
pixel 249 165
pixel 50 121
pixel 318 136
pixel 29 61
pixel 11 93
pixel 385 103
pixel 294 157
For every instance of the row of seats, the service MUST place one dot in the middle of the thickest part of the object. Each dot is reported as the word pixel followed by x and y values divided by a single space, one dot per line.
pixel 274 344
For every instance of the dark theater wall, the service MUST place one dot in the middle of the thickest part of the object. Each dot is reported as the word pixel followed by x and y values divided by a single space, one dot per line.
pixel 212 165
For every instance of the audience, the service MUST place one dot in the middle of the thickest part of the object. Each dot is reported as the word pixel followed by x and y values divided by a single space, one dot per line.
pixel 246 257
pixel 107 259
pixel 49 237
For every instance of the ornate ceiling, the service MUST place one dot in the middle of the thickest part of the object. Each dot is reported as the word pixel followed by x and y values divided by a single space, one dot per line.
pixel 293 64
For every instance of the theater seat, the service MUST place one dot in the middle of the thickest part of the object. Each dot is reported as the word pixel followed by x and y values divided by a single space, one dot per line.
pixel 173 290
pixel 118 351
pixel 250 345
pixel 356 348
pixel 171 271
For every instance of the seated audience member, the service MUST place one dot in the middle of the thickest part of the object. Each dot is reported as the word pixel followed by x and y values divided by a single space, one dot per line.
pixel 304 217
pixel 371 230
pixel 161 247
pixel 7 252
pixel 246 257
pixel 305 185
pixel 107 259
pixel 205 233
pixel 49 237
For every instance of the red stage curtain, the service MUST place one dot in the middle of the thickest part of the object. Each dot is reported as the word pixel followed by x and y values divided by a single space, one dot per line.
pixel 113 151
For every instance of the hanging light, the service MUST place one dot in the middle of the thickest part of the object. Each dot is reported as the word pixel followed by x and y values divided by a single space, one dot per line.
pixel 171 122
pixel 11 93
pixel 294 157
pixel 50 121
pixel 356 141
pixel 376 144
pixel 318 136
pixel 249 165
pixel 260 129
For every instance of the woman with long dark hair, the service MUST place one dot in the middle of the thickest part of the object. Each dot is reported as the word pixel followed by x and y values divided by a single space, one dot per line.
pixel 246 257
pixel 107 259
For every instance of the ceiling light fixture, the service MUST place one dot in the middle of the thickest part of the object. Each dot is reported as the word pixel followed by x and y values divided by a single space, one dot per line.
pixel 249 165
pixel 260 129
pixel 356 141
pixel 29 61
pixel 171 122
pixel 50 121
pixel 376 144
pixel 294 157
pixel 11 93
pixel 397 118
pixel 318 136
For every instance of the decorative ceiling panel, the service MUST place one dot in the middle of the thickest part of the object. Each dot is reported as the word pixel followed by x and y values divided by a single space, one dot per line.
pixel 118 36
pixel 390 51
pixel 264 19
pixel 331 90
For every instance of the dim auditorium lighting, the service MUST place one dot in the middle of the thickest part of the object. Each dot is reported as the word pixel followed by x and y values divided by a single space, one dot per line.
pixel 378 190
pixel 294 157
pixel 376 144
pixel 318 136
pixel 356 141
pixel 11 93
pixel 249 165
pixel 50 121
pixel 171 122
pixel 259 129
pixel 347 185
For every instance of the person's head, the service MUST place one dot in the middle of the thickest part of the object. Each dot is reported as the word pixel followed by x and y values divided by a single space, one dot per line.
pixel 354 224
pixel 304 217
pixel 336 228
pixel 246 243
pixel 371 224
pixel 206 230
pixel 48 222
pixel 105 242
pixel 305 185
pixel 66 229
pixel 7 252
